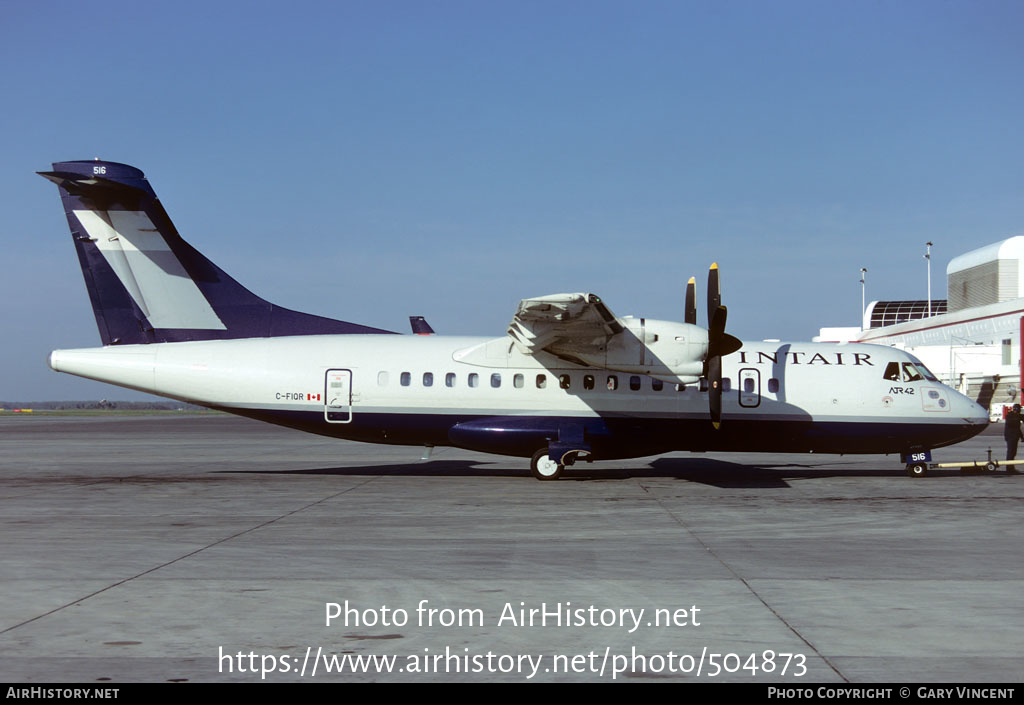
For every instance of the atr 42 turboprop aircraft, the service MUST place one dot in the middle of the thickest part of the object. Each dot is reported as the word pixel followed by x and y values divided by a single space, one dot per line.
pixel 569 381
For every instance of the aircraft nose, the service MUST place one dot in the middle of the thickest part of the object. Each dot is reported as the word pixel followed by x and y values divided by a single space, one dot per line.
pixel 972 411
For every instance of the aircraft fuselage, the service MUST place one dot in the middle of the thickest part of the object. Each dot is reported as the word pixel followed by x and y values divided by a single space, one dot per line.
pixel 483 394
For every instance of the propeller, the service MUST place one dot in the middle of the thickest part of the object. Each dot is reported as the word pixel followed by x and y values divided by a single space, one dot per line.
pixel 720 343
pixel 714 292
pixel 691 301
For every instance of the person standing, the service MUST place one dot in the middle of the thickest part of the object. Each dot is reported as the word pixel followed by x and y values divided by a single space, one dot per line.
pixel 1012 433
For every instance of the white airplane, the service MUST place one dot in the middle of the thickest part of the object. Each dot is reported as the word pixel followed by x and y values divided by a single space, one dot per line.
pixel 569 381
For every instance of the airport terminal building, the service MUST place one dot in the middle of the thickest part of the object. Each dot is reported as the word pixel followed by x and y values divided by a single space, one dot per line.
pixel 971 341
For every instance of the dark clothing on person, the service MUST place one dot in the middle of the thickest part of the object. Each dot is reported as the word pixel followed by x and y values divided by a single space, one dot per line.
pixel 1012 433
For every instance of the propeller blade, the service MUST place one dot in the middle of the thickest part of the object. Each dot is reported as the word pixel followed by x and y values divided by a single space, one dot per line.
pixel 716 331
pixel 714 292
pixel 716 324
pixel 691 301
pixel 719 343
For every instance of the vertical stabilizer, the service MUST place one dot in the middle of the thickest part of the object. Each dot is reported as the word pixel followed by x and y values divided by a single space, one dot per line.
pixel 146 284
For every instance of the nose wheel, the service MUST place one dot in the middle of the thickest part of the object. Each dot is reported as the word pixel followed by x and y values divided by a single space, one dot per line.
pixel 544 468
pixel 917 469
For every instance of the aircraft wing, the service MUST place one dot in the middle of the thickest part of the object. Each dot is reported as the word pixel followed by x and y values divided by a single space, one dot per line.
pixel 562 323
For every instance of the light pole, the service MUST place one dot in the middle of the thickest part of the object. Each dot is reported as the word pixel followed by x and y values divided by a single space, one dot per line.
pixel 863 308
pixel 928 256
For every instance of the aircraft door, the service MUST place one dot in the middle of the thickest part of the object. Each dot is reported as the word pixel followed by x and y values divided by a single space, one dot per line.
pixel 338 397
pixel 750 388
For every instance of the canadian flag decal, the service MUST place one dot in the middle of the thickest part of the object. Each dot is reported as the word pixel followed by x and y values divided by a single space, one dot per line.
pixel 312 397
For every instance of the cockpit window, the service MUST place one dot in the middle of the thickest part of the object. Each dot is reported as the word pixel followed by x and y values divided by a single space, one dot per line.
pixel 926 372
pixel 910 373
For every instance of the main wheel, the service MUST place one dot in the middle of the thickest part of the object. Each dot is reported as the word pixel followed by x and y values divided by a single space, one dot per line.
pixel 917 469
pixel 544 468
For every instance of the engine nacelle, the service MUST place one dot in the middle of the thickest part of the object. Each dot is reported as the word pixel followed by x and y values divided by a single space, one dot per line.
pixel 666 350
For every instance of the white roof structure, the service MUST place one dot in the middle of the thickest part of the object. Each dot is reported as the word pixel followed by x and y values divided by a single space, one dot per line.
pixel 988 275
pixel 1011 248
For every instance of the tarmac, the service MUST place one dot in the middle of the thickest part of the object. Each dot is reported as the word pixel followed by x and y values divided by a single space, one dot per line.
pixel 188 548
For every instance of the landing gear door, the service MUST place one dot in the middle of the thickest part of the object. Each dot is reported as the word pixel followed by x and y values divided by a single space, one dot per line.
pixel 750 388
pixel 338 399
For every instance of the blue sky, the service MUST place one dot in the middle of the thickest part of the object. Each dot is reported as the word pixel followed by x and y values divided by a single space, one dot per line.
pixel 372 160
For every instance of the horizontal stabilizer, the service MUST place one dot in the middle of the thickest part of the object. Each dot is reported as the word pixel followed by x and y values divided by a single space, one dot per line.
pixel 96 188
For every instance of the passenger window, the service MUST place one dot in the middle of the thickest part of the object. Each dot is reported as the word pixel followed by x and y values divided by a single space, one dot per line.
pixel 518 382
pixel 703 384
pixel 449 379
pixel 428 379
pixel 773 386
pixel 634 382
pixel 748 385
pixel 588 381
pixel 474 379
pixel 613 383
pixel 542 381
pixel 406 379
pixel 496 380
pixel 726 384
pixel 657 385
pixel 892 372
pixel 564 381
pixel 382 379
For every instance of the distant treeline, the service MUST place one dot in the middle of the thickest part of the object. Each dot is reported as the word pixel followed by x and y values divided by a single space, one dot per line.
pixel 101 404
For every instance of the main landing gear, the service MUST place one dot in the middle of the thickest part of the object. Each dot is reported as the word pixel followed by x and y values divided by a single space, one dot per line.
pixel 544 468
